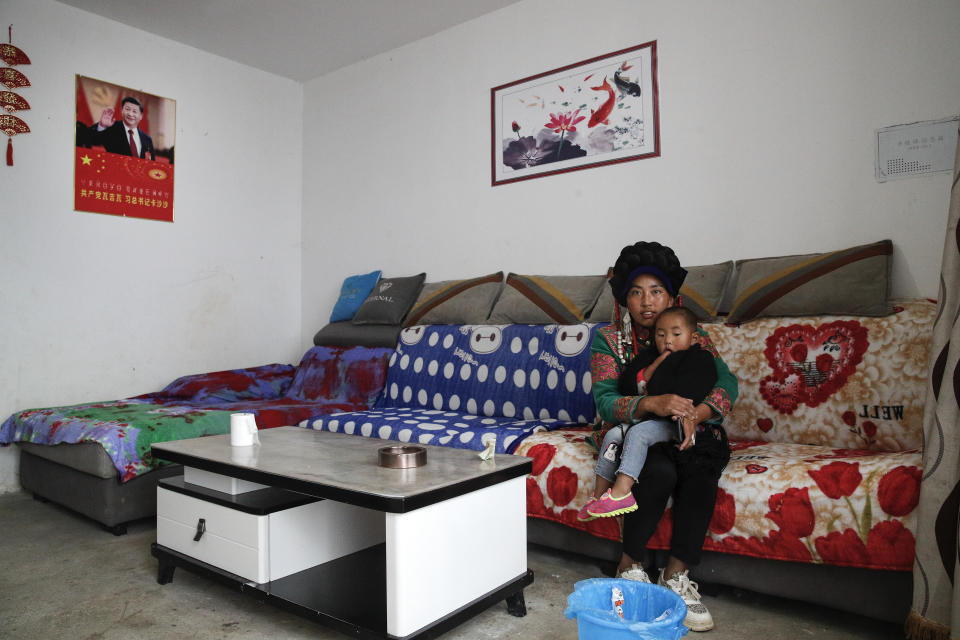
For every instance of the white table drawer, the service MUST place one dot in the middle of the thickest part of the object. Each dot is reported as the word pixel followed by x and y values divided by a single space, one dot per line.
pixel 235 541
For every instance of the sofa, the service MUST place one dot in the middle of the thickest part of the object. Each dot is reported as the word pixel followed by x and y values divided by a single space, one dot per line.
pixel 818 500
pixel 95 458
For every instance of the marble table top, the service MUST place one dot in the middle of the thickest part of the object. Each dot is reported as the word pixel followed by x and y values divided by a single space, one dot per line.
pixel 344 467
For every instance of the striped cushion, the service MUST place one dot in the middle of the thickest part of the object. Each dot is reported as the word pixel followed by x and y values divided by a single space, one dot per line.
pixel 546 299
pixel 854 281
pixel 702 291
pixel 456 301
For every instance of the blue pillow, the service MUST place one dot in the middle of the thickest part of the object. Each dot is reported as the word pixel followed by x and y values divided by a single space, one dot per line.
pixel 353 292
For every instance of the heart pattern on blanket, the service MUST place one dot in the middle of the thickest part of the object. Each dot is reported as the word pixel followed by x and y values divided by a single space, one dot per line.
pixel 810 363
pixel 765 424
pixel 783 394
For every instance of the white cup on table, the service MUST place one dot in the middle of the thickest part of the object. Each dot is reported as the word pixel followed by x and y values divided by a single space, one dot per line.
pixel 243 430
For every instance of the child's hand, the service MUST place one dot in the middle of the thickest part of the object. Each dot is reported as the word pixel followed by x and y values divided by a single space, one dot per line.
pixel 652 367
pixel 661 357
pixel 689 433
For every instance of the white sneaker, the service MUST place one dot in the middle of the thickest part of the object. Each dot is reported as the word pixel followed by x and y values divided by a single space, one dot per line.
pixel 635 573
pixel 698 618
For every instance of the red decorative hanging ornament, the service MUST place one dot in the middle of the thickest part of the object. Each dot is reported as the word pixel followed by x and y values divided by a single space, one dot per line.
pixel 11 102
pixel 12 55
pixel 13 79
pixel 12 125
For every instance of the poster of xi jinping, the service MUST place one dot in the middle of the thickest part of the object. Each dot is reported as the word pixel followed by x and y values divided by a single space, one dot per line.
pixel 123 162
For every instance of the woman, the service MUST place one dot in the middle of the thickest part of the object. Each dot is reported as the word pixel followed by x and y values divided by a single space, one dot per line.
pixel 646 280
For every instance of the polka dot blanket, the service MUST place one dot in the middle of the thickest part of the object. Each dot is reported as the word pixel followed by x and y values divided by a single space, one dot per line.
pixel 467 385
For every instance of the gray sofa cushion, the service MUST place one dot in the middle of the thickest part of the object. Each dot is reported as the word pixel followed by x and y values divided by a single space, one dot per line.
pixel 853 281
pixel 390 300
pixel 456 301
pixel 546 299
pixel 347 334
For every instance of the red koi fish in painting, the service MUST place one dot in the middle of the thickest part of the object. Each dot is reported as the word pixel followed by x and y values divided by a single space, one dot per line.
pixel 601 115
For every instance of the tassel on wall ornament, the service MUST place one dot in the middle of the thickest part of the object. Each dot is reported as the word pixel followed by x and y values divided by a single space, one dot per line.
pixel 11 102
pixel 12 125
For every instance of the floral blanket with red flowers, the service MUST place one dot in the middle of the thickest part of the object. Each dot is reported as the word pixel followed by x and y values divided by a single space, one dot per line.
pixel 776 500
pixel 825 444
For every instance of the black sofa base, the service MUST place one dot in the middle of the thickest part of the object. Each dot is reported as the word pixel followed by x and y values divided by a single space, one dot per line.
pixel 882 595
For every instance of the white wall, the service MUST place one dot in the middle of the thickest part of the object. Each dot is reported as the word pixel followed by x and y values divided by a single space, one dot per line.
pixel 95 307
pixel 768 112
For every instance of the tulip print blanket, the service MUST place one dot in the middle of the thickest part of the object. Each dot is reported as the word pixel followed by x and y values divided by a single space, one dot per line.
pixel 825 444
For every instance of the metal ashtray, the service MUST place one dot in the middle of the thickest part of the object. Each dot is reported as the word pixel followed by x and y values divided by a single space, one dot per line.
pixel 402 456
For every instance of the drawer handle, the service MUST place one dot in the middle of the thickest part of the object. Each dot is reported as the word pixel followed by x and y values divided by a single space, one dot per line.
pixel 201 529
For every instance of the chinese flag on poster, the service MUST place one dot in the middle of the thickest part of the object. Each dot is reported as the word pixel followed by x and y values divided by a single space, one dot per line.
pixel 122 185
pixel 114 174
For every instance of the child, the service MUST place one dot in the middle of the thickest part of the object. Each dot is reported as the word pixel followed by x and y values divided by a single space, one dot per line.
pixel 681 367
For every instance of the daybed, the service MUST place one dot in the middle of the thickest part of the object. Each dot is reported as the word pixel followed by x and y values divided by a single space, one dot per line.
pixel 95 458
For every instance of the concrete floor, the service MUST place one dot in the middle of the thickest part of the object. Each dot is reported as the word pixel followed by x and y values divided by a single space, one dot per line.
pixel 62 576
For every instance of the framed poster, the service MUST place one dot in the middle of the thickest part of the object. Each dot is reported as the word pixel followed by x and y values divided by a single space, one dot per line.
pixel 591 113
pixel 123 156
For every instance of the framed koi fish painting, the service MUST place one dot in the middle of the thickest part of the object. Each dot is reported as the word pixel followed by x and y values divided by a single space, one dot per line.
pixel 591 113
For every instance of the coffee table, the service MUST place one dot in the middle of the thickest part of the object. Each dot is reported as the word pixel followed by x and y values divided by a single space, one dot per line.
pixel 309 521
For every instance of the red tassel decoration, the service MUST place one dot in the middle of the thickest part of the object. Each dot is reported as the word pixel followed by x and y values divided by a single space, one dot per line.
pixel 9 152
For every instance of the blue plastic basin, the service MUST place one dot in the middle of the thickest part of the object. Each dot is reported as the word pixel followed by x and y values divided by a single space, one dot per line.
pixel 650 612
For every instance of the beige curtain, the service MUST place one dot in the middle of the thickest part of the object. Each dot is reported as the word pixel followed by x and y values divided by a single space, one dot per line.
pixel 935 613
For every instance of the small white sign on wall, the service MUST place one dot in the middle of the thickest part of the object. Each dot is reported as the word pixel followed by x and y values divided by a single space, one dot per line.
pixel 915 149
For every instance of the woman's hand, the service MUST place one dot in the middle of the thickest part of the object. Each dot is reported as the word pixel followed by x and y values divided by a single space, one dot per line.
pixel 689 434
pixel 703 412
pixel 668 405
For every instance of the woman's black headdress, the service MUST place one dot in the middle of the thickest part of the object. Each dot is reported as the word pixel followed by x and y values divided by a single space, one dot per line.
pixel 646 257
